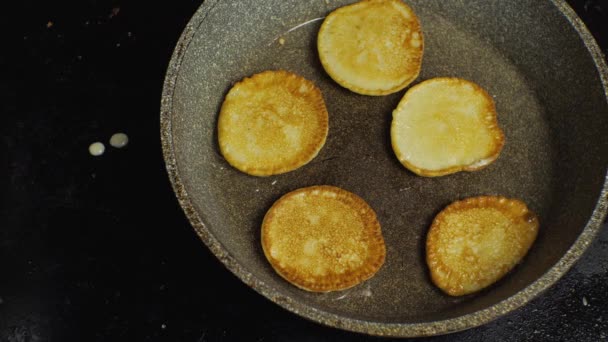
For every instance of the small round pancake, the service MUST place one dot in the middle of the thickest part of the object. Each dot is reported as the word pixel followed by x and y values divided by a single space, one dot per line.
pixel 446 125
pixel 373 47
pixel 272 122
pixel 474 242
pixel 323 238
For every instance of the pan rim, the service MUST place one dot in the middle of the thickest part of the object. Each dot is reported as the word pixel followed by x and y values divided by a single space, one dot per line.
pixel 420 329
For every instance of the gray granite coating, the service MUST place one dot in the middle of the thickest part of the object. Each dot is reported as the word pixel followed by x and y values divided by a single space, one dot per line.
pixel 549 82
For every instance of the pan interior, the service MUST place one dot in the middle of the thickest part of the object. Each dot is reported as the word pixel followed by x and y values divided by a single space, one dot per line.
pixel 526 54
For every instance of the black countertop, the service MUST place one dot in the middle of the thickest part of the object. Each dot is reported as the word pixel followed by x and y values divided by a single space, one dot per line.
pixel 97 249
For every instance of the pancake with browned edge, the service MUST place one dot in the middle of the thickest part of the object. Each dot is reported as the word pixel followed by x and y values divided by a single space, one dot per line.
pixel 323 238
pixel 474 242
pixel 446 125
pixel 271 123
pixel 372 47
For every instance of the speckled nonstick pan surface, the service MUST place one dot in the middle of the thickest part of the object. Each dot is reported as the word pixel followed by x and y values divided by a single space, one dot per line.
pixel 535 57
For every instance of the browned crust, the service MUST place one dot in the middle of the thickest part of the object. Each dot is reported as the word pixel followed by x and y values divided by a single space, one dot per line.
pixel 497 133
pixel 514 209
pixel 318 141
pixel 332 282
pixel 416 59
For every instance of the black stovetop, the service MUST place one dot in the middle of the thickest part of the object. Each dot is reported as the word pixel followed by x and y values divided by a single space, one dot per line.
pixel 98 249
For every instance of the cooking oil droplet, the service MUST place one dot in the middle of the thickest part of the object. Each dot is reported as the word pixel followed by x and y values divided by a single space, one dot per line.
pixel 96 149
pixel 119 140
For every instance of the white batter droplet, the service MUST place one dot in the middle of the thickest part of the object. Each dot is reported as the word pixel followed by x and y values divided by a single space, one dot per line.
pixel 96 149
pixel 119 140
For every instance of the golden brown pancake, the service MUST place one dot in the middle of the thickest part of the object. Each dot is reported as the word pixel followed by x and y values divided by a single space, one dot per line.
pixel 446 125
pixel 475 242
pixel 272 122
pixel 323 238
pixel 372 47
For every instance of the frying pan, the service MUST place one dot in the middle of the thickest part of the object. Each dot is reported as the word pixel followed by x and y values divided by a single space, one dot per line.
pixel 548 80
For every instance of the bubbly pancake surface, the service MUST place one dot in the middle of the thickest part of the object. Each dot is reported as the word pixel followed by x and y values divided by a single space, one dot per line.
pixel 323 238
pixel 474 242
pixel 271 123
pixel 373 47
pixel 446 125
